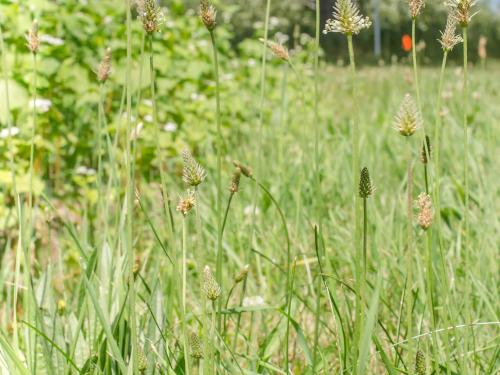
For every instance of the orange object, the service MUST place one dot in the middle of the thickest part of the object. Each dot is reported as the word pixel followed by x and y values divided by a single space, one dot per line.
pixel 406 43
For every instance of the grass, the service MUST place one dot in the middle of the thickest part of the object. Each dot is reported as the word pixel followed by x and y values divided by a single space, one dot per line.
pixel 298 307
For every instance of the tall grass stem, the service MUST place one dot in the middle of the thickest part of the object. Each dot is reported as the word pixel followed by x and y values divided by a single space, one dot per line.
pixel 218 274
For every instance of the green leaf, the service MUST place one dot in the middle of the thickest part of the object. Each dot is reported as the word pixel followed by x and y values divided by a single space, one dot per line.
pixel 366 336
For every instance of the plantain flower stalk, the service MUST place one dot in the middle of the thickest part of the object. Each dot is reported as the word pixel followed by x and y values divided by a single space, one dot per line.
pixel 449 38
pixel 196 347
pixel 193 173
pixel 150 14
pixel 406 122
pixel 186 203
pixel 142 361
pixel 245 170
pixel 104 69
pixel 235 181
pixel 365 185
pixel 420 363
pixel 32 39
pixel 242 275
pixel 425 214
pixel 211 288
pixel 462 10
pixel 365 190
pixel 208 15
pixel 416 7
pixel 346 19
pixel 277 49
pixel 425 155
pixel 426 151
pixel 408 119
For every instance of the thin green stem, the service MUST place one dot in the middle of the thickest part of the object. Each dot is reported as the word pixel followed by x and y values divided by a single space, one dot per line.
pixel 32 146
pixel 426 177
pixel 101 219
pixel 430 295
pixel 184 289
pixel 258 154
pixel 288 250
pixel 238 319
pixel 466 257
pixel 360 305
pixel 289 313
pixel 365 235
pixel 416 80
pixel 130 191
pixel 437 203
pixel 409 249
pixel 159 156
pixel 317 177
pixel 437 154
pixel 213 336
pixel 226 213
pixel 29 229
pixel 218 273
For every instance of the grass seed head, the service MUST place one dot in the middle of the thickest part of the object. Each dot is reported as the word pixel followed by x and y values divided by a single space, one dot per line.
pixel 365 185
pixel 247 171
pixel 186 203
pixel 208 15
pixel 242 275
pixel 142 361
pixel 235 180
pixel 425 214
pixel 277 49
pixel 462 10
pixel 407 120
pixel 211 288
pixel 150 14
pixel 196 348
pixel 420 363
pixel 449 38
pixel 426 152
pixel 193 173
pixel 105 66
pixel 32 39
pixel 416 7
pixel 346 19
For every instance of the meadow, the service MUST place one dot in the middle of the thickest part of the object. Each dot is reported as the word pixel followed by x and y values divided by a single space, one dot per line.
pixel 170 204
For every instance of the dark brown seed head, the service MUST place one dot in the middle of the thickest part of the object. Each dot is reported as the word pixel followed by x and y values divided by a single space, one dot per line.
pixel 235 181
pixel 425 155
pixel 247 171
pixel 365 184
pixel 420 363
